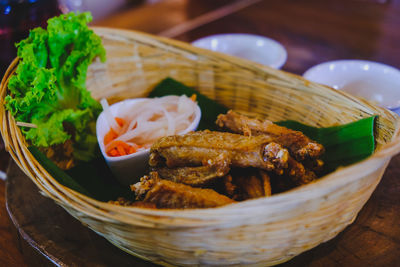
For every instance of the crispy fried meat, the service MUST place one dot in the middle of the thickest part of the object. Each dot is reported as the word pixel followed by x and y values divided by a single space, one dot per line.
pixel 298 144
pixel 258 159
pixel 196 176
pixel 242 184
pixel 170 195
pixel 195 149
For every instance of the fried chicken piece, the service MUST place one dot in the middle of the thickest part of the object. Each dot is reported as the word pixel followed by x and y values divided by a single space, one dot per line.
pixel 193 176
pixel 170 195
pixel 251 184
pixel 299 174
pixel 296 142
pixel 127 203
pixel 243 184
pixel 142 204
pixel 266 183
pixel 124 202
pixel 196 176
pixel 196 148
pixel 230 189
pixel 121 202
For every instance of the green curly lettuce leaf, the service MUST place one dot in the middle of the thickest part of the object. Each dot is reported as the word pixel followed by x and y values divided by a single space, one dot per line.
pixel 49 87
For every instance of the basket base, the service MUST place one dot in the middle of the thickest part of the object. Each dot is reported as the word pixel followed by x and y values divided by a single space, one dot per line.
pixel 48 235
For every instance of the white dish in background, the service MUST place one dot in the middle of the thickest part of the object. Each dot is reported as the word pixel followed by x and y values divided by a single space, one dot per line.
pixel 376 82
pixel 129 168
pixel 256 48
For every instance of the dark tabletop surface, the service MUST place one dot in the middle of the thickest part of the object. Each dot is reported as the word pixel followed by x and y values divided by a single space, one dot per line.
pixel 312 31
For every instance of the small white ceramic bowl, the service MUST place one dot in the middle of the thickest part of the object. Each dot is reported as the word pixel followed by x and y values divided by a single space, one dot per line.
pixel 376 82
pixel 128 169
pixel 256 48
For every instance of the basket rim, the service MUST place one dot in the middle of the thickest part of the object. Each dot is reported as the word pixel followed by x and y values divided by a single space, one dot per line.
pixel 328 182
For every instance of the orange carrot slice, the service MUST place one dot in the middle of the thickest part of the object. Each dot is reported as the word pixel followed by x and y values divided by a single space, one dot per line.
pixel 120 121
pixel 117 148
pixel 116 143
pixel 121 147
pixel 113 153
pixel 111 135
pixel 121 150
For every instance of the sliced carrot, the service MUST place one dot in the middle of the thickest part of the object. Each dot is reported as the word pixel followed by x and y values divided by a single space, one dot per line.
pixel 193 97
pixel 121 150
pixel 116 143
pixel 117 148
pixel 120 121
pixel 111 135
pixel 121 147
pixel 113 153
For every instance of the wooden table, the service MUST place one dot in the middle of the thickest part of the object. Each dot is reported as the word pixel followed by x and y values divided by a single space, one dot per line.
pixel 312 31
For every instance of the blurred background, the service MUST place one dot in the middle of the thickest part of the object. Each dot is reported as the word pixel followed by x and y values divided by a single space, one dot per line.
pixel 358 29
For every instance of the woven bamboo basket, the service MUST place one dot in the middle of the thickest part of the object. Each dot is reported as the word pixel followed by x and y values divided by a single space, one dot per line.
pixel 258 232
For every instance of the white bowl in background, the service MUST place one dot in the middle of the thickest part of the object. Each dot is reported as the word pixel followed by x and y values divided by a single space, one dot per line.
pixel 129 168
pixel 376 82
pixel 256 48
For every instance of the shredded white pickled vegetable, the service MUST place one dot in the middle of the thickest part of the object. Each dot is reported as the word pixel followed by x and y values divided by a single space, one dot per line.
pixel 109 116
pixel 151 118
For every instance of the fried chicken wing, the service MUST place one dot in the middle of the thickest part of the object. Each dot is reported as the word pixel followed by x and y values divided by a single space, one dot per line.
pixel 196 148
pixel 228 188
pixel 266 183
pixel 242 184
pixel 296 142
pixel 140 204
pixel 193 176
pixel 196 176
pixel 208 169
pixel 251 184
pixel 170 195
